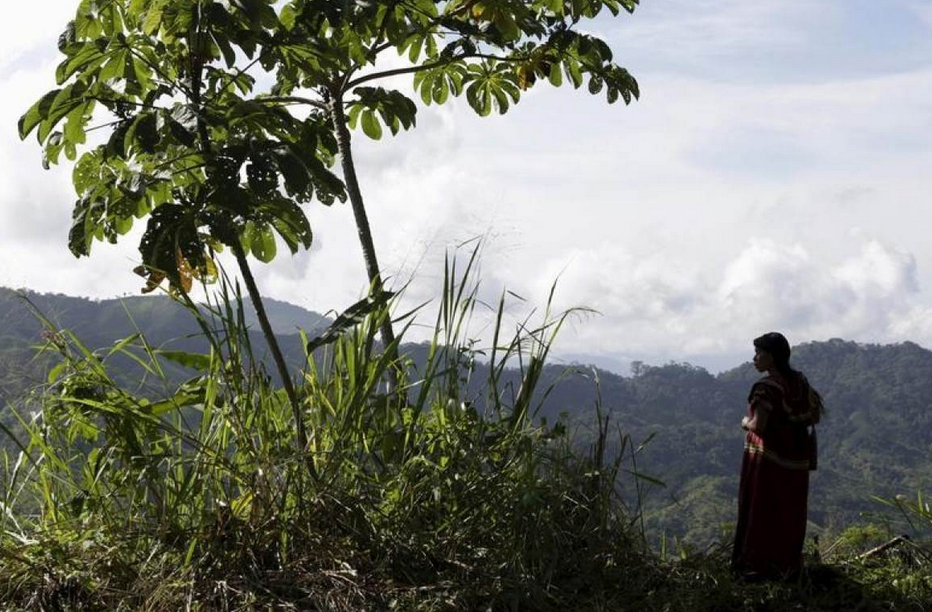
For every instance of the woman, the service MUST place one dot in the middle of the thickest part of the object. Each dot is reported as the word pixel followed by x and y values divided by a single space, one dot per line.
pixel 779 451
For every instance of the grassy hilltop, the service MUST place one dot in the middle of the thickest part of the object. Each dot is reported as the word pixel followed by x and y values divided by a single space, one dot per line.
pixel 469 491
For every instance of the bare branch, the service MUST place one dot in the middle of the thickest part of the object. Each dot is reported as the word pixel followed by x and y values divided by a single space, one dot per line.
pixel 397 71
pixel 294 100
pixel 239 72
pixel 412 69
pixel 128 102
pixel 94 128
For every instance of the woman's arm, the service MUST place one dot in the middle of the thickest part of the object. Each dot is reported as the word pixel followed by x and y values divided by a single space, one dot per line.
pixel 757 423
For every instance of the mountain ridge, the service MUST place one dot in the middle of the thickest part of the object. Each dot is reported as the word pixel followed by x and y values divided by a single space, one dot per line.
pixel 871 443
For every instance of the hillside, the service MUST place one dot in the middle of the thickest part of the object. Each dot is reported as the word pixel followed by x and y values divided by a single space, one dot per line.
pixel 100 323
pixel 873 441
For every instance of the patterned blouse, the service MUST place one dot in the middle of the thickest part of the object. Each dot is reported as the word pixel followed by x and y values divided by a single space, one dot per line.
pixel 792 406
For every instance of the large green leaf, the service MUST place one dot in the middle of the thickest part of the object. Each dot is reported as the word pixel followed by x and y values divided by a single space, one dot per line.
pixel 67 99
pixel 371 125
pixel 296 173
pixel 261 241
pixel 556 75
pixel 153 18
pixel 290 222
pixel 142 135
pixel 89 56
pixel 77 121
pixel 36 113
pixel 84 221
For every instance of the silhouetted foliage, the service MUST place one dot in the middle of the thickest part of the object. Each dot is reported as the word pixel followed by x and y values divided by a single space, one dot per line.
pixel 871 442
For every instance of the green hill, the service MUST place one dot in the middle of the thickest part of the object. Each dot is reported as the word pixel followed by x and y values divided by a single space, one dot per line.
pixel 873 441
pixel 101 323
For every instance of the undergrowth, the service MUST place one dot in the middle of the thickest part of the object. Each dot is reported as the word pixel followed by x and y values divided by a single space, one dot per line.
pixel 419 497
pixel 424 496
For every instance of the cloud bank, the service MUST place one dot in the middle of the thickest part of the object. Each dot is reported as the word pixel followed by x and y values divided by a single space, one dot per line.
pixel 774 175
pixel 667 307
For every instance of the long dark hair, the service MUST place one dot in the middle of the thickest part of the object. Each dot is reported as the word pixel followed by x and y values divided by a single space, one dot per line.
pixel 778 347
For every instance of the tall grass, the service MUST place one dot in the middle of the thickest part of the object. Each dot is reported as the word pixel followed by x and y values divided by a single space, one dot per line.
pixel 916 515
pixel 439 493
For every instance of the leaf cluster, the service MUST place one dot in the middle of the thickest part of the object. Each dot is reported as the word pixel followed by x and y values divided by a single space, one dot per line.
pixel 189 141
pixel 490 50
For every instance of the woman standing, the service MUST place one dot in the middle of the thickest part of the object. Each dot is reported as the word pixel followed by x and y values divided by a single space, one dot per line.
pixel 779 451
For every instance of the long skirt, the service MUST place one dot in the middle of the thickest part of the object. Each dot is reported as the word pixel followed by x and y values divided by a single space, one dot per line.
pixel 771 526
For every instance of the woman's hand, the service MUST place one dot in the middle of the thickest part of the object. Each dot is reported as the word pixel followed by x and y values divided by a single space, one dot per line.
pixel 757 423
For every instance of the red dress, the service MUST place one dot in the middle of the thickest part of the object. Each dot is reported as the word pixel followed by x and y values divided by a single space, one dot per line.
pixel 774 489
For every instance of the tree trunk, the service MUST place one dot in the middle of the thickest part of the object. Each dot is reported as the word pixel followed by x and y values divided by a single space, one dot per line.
pixel 301 441
pixel 359 212
pixel 254 295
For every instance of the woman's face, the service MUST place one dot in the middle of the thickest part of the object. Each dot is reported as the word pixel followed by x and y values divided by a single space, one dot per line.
pixel 763 360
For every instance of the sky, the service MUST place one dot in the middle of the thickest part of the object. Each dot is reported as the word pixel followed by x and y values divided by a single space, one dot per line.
pixel 775 175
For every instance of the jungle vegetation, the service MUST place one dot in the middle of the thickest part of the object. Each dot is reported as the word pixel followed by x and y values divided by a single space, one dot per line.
pixel 332 471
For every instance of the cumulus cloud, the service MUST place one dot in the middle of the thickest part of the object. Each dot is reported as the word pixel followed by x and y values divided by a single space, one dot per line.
pixel 667 306
pixel 27 33
pixel 862 296
pixel 712 209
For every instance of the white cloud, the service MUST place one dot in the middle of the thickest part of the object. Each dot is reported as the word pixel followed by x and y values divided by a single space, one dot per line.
pixel 915 324
pixel 922 10
pixel 648 211
pixel 32 32
pixel 668 307
pixel 880 270
pixel 861 296
pixel 715 26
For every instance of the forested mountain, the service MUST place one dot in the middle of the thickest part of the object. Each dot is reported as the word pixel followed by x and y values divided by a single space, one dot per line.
pixel 161 318
pixel 874 440
pixel 100 323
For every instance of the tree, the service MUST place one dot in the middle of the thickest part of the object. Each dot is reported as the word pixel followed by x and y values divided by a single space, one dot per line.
pixel 194 143
pixel 186 142
pixel 490 50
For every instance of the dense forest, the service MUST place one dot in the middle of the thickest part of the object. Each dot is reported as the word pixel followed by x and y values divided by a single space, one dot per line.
pixel 165 323
pixel 871 443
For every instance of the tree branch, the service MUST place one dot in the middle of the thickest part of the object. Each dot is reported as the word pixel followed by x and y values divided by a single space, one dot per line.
pixel 373 51
pixel 94 128
pixel 239 72
pixel 104 101
pixel 412 69
pixel 391 73
pixel 377 48
pixel 294 100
